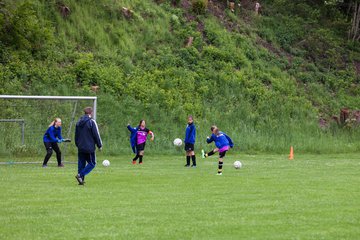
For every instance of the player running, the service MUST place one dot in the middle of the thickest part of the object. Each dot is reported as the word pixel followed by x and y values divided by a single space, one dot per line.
pixel 190 135
pixel 138 138
pixel 51 139
pixel 222 142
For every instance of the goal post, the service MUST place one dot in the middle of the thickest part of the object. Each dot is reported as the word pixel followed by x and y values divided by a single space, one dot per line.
pixel 21 122
pixel 34 114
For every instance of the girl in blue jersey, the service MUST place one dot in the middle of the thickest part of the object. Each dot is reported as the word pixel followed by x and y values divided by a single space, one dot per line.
pixel 51 139
pixel 190 135
pixel 222 142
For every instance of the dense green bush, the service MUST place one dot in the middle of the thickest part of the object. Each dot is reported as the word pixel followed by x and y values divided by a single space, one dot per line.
pixel 265 80
pixel 199 6
pixel 22 29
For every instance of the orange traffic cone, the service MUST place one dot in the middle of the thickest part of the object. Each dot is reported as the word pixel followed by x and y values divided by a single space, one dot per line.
pixel 291 155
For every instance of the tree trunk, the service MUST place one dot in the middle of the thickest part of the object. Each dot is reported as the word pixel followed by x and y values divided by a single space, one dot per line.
pixel 349 8
pixel 355 22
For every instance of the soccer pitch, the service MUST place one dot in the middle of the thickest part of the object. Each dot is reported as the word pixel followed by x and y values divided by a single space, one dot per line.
pixel 311 197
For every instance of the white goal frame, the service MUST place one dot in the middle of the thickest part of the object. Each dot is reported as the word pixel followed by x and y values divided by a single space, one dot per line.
pixel 38 97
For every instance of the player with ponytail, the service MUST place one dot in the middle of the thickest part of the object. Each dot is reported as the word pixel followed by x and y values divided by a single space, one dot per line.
pixel 51 139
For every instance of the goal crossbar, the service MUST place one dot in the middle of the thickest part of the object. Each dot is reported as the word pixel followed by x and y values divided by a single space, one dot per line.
pixel 94 99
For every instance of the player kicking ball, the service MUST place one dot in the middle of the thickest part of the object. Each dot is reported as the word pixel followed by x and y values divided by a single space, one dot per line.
pixel 222 142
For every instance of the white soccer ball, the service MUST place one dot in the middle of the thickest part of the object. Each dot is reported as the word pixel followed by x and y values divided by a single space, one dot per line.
pixel 106 163
pixel 237 164
pixel 177 142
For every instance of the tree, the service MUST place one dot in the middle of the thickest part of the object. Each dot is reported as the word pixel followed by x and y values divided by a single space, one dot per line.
pixel 354 9
pixel 351 8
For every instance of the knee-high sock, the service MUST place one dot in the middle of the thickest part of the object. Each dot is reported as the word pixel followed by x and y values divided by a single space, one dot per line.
pixel 210 153
pixel 193 158
pixel 136 157
pixel 188 160
pixel 140 158
pixel 220 167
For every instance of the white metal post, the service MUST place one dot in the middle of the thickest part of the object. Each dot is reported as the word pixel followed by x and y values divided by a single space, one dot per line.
pixel 55 98
pixel 22 123
pixel 94 109
pixel 48 97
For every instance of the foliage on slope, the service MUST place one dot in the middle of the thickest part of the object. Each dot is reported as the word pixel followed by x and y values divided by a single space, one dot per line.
pixel 252 79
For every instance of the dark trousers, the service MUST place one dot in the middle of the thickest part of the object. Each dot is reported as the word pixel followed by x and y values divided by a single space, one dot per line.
pixel 83 158
pixel 50 146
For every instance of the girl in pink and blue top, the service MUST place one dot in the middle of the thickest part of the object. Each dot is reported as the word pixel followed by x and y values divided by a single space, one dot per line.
pixel 138 139
pixel 222 142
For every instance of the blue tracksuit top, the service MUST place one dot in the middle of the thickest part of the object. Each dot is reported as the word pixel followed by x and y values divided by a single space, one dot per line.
pixel 220 140
pixel 190 133
pixel 133 137
pixel 52 134
pixel 87 135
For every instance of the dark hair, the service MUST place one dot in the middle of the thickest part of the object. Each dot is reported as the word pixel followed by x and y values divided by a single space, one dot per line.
pixel 88 110
pixel 142 120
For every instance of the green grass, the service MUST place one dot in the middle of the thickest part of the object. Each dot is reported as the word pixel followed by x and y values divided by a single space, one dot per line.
pixel 311 197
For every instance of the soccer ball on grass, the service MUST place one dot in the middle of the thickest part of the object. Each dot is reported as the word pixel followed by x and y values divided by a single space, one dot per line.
pixel 106 163
pixel 237 164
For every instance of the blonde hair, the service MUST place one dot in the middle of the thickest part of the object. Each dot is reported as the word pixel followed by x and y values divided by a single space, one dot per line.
pixel 214 129
pixel 55 120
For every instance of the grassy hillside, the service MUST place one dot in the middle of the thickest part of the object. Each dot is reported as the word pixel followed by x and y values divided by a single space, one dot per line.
pixel 265 80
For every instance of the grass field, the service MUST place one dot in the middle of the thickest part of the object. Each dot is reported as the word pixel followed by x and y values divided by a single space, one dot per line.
pixel 311 197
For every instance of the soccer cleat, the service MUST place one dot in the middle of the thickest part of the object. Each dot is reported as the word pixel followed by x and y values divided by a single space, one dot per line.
pixel 134 162
pixel 140 163
pixel 193 166
pixel 79 179
pixel 219 173
pixel 61 165
pixel 202 153
pixel 44 166
pixel 187 165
